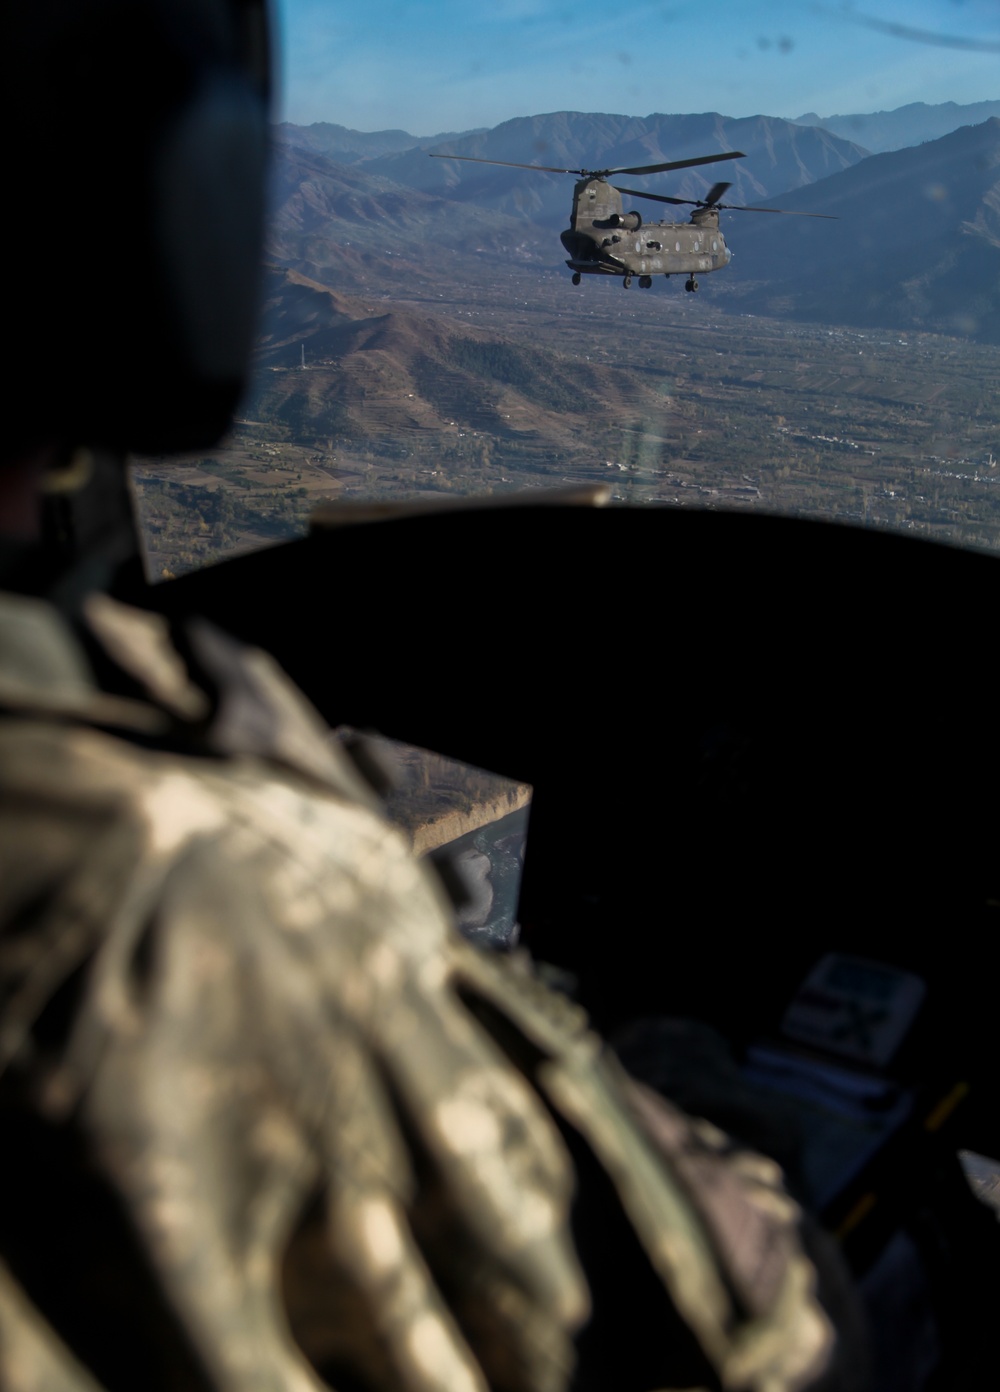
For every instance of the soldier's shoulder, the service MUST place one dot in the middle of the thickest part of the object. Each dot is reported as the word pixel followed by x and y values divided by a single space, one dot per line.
pixel 211 697
pixel 215 758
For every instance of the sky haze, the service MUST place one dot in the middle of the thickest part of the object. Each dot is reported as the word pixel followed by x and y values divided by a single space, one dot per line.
pixel 429 66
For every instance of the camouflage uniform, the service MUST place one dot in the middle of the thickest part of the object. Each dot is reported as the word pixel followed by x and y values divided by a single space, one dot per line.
pixel 330 1124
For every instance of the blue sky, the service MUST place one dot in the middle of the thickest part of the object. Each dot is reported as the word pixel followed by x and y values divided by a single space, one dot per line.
pixel 428 66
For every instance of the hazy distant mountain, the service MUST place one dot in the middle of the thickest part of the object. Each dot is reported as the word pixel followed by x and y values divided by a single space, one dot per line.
pixel 347 226
pixel 405 215
pixel 350 146
pixel 917 244
pixel 780 155
pixel 880 131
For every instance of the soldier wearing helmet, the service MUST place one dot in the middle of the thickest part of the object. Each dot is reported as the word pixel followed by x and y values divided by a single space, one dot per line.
pixel 269 1123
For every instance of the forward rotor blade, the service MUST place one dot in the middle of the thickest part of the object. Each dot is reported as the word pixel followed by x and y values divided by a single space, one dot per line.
pixel 672 164
pixel 715 193
pixel 509 164
pixel 598 173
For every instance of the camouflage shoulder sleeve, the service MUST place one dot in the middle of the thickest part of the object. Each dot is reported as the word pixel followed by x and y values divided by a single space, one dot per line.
pixel 262 1011
pixel 234 983
pixel 32 1357
pixel 717 1225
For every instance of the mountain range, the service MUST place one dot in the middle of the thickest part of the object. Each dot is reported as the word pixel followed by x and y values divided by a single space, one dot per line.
pixel 875 131
pixel 916 243
pixel 402 217
pixel 780 155
pixel 913 124
pixel 353 229
pixel 348 146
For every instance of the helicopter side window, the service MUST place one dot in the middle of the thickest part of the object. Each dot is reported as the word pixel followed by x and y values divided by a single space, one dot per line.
pixel 654 246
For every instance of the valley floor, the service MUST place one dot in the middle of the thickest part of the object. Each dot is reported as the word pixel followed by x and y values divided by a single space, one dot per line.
pixel 877 428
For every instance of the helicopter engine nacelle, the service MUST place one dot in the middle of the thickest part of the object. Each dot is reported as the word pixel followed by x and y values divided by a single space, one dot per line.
pixel 630 221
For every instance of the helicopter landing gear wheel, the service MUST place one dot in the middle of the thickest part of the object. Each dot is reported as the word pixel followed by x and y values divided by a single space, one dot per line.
pixel 645 282
pixel 691 284
pixel 576 277
pixel 626 282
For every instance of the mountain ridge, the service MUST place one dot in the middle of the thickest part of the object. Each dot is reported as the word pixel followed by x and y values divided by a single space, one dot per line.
pixel 917 245
pixel 913 124
pixel 780 155
pixel 348 146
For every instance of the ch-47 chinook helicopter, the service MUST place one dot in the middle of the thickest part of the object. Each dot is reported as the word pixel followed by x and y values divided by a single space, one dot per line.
pixel 603 239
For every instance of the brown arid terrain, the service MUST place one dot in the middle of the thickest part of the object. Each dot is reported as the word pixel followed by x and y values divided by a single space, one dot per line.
pixel 519 381
pixel 420 338
pixel 386 374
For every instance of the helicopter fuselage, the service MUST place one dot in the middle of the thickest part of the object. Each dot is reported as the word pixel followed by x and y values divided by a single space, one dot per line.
pixel 603 239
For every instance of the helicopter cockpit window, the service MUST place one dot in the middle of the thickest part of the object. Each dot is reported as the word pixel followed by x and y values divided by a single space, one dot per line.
pixel 862 359
pixel 443 314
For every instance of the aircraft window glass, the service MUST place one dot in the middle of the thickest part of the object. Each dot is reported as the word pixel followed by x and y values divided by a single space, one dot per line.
pixel 423 333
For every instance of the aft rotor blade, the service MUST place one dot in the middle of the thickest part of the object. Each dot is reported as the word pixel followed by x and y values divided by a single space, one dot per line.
pixel 712 201
pixel 656 197
pixel 729 207
pixel 788 212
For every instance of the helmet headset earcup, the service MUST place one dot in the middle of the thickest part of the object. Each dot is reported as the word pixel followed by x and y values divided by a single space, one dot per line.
pixel 139 143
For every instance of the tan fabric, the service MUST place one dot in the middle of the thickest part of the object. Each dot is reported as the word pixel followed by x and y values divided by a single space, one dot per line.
pixel 271 1008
